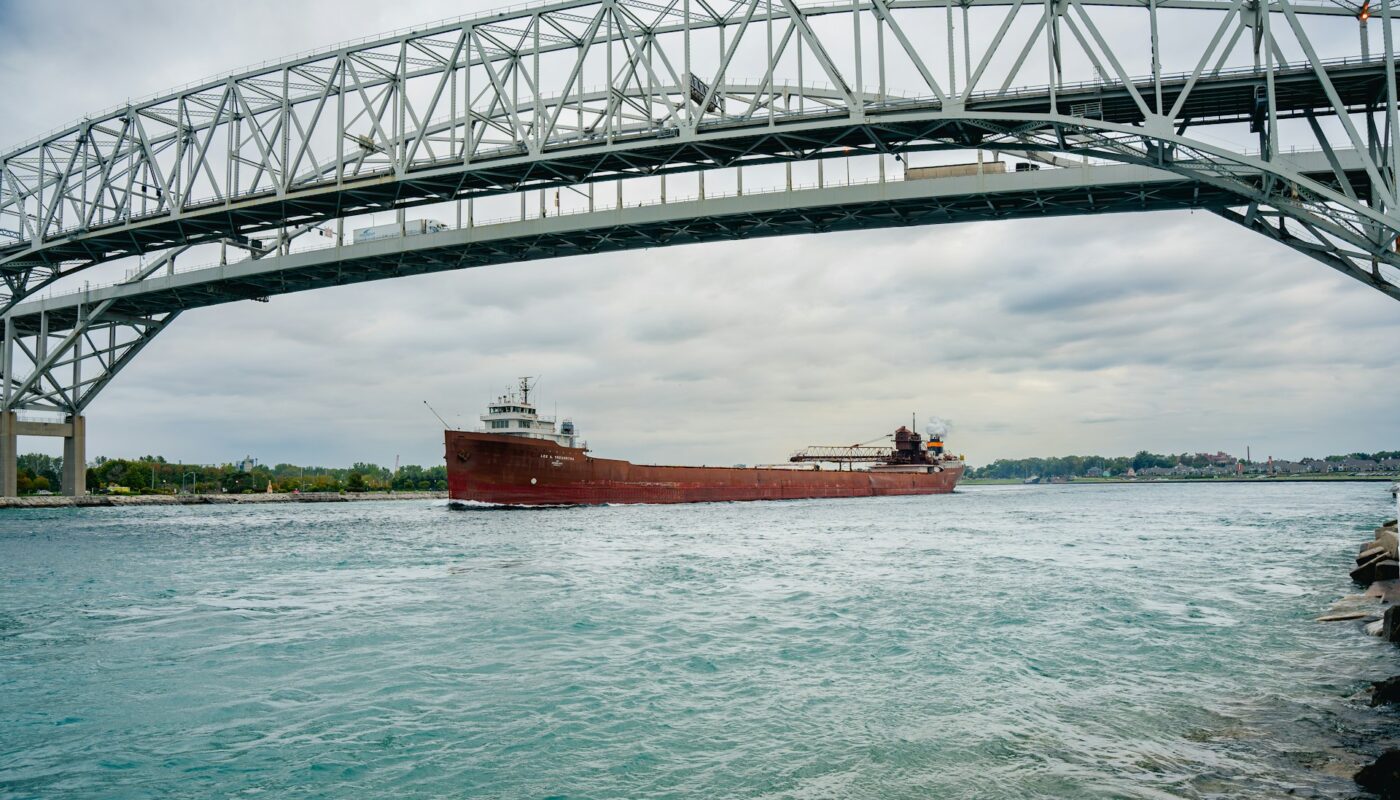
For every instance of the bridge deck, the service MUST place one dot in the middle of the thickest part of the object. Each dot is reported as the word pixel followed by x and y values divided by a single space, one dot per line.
pixel 1051 192
pixel 1089 189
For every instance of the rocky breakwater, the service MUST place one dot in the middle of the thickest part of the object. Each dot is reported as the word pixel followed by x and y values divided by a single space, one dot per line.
pixel 94 501
pixel 1377 611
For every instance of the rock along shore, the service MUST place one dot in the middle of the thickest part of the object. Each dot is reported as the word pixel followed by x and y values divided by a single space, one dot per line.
pixel 97 501
pixel 1377 611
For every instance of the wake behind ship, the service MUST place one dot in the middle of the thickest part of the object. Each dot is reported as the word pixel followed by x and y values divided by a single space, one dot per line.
pixel 523 459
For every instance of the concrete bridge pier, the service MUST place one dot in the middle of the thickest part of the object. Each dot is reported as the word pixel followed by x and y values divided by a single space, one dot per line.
pixel 75 457
pixel 9 455
pixel 73 429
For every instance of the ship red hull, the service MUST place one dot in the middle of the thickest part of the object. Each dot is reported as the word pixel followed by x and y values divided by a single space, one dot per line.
pixel 512 470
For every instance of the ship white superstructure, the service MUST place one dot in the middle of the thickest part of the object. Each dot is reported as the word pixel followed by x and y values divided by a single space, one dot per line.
pixel 512 414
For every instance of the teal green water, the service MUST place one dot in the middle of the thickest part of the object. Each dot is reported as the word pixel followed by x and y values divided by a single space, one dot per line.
pixel 1079 641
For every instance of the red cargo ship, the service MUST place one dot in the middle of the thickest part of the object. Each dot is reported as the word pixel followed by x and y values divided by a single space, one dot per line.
pixel 522 459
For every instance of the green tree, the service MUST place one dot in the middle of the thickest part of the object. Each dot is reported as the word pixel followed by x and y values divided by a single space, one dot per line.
pixel 1144 460
pixel 235 481
pixel 44 466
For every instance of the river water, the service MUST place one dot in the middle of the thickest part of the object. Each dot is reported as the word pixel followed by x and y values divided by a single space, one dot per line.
pixel 1063 641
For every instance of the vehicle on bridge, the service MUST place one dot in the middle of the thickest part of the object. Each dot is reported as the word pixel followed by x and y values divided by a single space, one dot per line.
pixel 522 459
pixel 413 227
pixel 955 170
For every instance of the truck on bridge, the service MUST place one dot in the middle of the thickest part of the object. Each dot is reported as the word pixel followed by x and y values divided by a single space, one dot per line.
pixel 413 227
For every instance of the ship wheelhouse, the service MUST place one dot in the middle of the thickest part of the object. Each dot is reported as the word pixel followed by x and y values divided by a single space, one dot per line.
pixel 512 414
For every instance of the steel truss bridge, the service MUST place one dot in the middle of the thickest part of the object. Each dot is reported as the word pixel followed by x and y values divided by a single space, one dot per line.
pixel 1277 115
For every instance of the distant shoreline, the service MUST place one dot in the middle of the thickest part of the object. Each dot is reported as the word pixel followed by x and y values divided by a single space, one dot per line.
pixel 108 500
pixel 1097 481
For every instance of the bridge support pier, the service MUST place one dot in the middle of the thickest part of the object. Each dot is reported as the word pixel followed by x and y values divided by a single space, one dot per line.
pixel 73 429
pixel 75 457
pixel 9 455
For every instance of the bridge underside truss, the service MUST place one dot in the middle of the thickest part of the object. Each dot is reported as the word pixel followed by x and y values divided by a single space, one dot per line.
pixel 62 372
pixel 57 363
pixel 1214 92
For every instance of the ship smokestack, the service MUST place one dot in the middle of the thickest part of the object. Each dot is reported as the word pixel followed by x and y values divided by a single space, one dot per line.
pixel 937 428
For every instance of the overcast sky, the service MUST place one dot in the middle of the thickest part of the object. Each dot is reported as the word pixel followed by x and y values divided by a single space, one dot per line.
pixel 1168 332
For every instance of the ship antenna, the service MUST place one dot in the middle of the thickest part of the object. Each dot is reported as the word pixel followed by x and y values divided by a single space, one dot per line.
pixel 439 417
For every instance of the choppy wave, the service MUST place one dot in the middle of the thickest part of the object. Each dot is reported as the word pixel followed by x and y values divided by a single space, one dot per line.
pixel 1108 641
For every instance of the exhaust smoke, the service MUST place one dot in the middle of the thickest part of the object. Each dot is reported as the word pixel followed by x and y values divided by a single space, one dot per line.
pixel 937 428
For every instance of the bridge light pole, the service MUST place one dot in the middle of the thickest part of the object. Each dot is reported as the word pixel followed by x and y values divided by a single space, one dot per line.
pixel 1362 17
